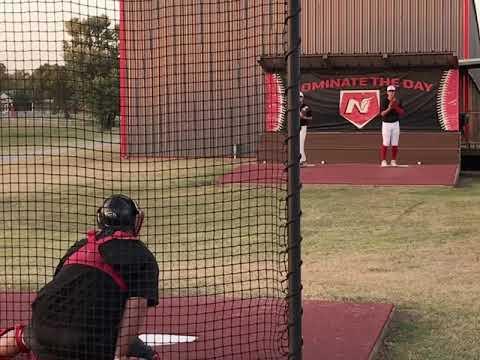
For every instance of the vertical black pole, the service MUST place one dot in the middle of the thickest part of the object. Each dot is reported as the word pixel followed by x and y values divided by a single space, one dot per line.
pixel 293 167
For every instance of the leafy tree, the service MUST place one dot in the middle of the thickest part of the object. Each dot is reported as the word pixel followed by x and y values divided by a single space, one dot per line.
pixel 3 76
pixel 20 80
pixel 51 82
pixel 19 86
pixel 22 99
pixel 91 61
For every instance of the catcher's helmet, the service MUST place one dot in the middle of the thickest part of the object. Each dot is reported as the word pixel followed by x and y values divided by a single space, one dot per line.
pixel 119 212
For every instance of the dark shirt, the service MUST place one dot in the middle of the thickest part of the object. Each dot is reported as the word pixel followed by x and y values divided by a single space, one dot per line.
pixel 305 114
pixel 393 115
pixel 77 315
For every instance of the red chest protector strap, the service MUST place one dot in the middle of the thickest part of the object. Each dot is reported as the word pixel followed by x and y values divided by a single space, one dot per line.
pixel 89 255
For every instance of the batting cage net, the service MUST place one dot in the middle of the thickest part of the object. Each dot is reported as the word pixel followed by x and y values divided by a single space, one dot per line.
pixel 118 111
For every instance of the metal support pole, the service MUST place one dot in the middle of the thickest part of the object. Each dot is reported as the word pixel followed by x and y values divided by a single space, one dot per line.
pixel 293 168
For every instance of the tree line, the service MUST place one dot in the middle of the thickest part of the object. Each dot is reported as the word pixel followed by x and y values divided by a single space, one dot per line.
pixel 88 80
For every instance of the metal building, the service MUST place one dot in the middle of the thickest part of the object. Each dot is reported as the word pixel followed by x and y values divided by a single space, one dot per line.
pixel 191 84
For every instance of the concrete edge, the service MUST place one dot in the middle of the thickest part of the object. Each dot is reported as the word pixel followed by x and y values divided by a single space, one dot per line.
pixel 382 335
pixel 457 176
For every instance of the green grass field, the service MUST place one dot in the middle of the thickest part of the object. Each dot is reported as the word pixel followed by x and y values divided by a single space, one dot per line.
pixel 208 239
pixel 417 248
pixel 20 136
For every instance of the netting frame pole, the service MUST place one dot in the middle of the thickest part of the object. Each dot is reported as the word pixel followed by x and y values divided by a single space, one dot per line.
pixel 123 72
pixel 295 341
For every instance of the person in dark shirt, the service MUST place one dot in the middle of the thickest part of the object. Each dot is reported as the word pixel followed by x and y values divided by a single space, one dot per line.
pixel 305 117
pixel 391 110
pixel 98 297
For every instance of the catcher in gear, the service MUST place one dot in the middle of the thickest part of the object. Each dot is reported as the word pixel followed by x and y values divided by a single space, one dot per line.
pixel 391 111
pixel 98 297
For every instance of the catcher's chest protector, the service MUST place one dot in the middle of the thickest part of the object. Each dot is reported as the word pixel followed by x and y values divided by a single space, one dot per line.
pixel 89 255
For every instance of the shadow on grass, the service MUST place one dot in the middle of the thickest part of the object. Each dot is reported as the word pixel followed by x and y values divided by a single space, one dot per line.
pixel 406 327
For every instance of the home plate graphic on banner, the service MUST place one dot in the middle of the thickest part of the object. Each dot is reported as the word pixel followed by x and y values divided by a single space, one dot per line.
pixel 359 106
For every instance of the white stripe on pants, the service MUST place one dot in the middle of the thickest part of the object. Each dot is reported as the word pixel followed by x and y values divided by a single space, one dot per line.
pixel 390 133
pixel 303 135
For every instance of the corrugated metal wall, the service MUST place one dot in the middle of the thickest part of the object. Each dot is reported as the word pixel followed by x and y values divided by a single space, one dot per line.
pixel 195 87
pixel 380 26
pixel 473 103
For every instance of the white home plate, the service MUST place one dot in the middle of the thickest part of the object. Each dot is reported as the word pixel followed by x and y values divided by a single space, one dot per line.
pixel 165 339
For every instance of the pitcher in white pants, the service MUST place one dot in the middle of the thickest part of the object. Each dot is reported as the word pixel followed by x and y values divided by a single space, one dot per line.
pixel 303 136
pixel 305 117
pixel 391 111
pixel 391 137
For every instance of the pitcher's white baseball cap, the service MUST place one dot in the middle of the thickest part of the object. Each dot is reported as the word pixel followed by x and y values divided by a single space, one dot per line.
pixel 391 88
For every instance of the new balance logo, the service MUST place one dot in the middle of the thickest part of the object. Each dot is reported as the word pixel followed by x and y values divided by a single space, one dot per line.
pixel 362 106
pixel 359 106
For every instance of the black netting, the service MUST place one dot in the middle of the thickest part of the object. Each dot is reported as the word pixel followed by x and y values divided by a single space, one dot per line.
pixel 165 102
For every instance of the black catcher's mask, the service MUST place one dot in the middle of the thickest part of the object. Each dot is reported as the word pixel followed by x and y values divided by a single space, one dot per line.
pixel 119 212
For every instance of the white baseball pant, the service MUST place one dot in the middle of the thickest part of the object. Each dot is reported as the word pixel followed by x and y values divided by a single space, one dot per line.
pixel 303 135
pixel 390 133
